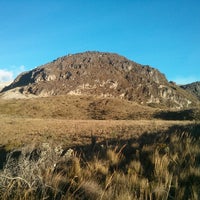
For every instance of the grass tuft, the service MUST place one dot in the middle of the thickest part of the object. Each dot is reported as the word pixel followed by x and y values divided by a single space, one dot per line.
pixel 166 167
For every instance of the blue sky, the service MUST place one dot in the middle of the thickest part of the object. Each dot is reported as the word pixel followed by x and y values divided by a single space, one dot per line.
pixel 163 34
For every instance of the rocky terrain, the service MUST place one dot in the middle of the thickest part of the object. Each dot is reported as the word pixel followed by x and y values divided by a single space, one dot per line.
pixel 103 75
pixel 193 88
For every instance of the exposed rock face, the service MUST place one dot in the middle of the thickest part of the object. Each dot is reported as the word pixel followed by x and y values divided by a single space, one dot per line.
pixel 101 74
pixel 193 88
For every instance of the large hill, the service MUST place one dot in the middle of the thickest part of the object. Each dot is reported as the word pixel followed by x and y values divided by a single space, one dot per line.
pixel 103 75
pixel 193 88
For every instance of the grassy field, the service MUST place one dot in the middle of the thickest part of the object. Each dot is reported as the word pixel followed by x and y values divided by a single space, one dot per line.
pixel 16 132
pixel 94 159
pixel 61 148
pixel 75 107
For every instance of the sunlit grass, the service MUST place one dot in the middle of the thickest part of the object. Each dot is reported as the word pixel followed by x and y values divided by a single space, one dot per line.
pixel 165 167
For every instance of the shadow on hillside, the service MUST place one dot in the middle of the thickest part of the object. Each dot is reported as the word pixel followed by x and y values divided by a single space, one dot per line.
pixel 189 114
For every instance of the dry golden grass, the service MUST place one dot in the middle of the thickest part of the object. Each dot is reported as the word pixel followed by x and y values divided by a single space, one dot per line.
pixel 111 159
pixel 19 131
pixel 142 159
pixel 74 107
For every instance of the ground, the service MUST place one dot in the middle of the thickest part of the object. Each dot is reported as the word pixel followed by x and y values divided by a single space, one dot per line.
pixel 18 131
pixel 86 148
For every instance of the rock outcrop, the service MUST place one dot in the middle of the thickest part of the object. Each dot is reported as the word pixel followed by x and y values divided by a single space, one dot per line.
pixel 102 74
pixel 193 88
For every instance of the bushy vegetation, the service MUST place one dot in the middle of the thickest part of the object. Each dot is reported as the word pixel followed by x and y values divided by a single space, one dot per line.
pixel 154 166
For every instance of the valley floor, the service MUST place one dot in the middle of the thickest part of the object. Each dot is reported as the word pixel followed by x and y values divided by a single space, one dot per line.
pixel 18 131
pixel 58 159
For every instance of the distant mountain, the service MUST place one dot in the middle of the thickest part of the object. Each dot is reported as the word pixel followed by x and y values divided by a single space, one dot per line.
pixel 101 74
pixel 4 84
pixel 193 88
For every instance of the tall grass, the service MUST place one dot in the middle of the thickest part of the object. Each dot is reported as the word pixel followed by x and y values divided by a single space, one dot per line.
pixel 164 169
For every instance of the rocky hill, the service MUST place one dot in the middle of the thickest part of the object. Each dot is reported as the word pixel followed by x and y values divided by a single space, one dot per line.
pixel 4 84
pixel 101 74
pixel 193 88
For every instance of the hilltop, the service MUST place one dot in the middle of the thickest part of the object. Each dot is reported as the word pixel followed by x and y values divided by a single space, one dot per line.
pixel 101 75
pixel 193 88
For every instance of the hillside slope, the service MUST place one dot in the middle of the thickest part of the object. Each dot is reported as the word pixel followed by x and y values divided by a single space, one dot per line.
pixel 75 107
pixel 193 88
pixel 103 75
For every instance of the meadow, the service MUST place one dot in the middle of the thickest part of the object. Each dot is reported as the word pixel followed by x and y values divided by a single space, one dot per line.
pixel 58 158
pixel 71 159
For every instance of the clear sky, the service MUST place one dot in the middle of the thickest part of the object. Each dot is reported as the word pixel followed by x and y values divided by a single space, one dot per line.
pixel 164 34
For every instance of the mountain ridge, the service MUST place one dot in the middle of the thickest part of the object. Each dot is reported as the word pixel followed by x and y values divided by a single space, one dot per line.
pixel 193 88
pixel 101 74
